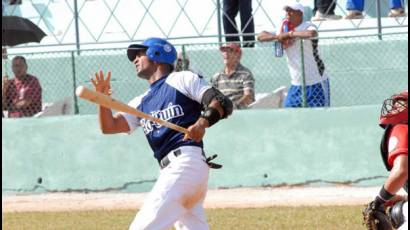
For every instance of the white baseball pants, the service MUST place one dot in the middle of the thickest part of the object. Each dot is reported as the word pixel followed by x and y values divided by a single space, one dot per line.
pixel 177 197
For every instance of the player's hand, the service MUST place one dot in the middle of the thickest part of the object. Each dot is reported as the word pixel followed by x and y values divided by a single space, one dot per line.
pixel 102 85
pixel 197 130
pixel 394 200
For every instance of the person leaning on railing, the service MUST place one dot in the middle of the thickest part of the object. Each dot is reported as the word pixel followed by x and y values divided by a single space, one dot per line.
pixel 316 79
pixel 21 96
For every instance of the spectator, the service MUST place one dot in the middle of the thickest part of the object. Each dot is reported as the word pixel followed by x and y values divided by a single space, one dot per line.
pixel 325 10
pixel 182 62
pixel 235 81
pixel 316 79
pixel 356 7
pixel 230 11
pixel 21 96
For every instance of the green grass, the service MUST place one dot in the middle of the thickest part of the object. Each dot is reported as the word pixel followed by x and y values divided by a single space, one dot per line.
pixel 295 218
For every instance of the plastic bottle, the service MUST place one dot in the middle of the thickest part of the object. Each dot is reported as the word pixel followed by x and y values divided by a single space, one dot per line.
pixel 279 45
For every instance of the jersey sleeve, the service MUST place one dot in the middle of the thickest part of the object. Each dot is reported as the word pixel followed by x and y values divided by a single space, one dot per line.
pixel 132 120
pixel 190 84
pixel 398 142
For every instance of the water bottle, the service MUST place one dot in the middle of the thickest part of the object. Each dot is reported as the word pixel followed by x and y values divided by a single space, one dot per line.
pixel 278 49
pixel 279 45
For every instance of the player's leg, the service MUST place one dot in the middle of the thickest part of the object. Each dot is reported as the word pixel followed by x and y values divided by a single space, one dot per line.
pixel 193 219
pixel 161 208
pixel 179 187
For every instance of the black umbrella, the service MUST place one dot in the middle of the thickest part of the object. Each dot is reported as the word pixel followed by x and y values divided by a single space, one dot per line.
pixel 17 30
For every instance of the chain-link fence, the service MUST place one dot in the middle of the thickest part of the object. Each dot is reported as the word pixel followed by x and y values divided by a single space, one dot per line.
pixel 362 70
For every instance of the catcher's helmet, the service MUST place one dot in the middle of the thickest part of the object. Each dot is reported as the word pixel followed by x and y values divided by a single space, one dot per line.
pixel 157 49
pixel 394 110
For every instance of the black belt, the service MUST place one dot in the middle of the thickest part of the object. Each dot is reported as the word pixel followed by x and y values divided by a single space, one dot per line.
pixel 164 162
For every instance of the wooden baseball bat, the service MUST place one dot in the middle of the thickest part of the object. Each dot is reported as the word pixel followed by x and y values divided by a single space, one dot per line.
pixel 110 103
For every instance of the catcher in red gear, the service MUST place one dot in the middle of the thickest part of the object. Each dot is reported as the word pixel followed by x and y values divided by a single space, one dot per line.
pixel 394 150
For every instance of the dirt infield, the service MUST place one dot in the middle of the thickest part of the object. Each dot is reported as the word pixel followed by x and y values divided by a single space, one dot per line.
pixel 218 198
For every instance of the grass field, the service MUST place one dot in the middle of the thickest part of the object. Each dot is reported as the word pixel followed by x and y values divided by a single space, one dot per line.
pixel 295 218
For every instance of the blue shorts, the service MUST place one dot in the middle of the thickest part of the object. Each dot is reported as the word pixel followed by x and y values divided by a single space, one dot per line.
pixel 318 95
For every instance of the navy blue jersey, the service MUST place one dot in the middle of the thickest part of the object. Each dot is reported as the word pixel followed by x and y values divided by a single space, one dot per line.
pixel 175 98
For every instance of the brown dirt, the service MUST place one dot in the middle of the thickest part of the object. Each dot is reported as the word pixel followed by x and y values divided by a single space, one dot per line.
pixel 218 198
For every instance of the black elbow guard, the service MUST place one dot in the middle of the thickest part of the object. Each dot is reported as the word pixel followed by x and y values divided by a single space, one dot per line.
pixel 223 100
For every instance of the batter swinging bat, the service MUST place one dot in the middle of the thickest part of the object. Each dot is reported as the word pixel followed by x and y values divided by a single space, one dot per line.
pixel 110 103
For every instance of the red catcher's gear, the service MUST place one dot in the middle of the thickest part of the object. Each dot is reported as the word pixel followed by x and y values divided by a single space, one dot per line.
pixel 394 110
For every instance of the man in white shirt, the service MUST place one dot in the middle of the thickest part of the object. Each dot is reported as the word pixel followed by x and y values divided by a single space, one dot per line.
pixel 315 77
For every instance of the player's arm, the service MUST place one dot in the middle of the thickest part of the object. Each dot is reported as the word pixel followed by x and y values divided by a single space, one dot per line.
pixel 396 180
pixel 217 106
pixel 398 175
pixel 109 123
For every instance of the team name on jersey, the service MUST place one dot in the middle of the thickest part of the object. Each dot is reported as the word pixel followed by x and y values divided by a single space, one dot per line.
pixel 172 111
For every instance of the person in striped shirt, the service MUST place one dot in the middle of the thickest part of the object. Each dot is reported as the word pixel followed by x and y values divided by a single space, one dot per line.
pixel 235 81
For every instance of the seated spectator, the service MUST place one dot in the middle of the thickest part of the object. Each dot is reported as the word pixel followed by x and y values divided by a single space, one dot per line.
pixel 21 96
pixel 316 80
pixel 325 10
pixel 235 81
pixel 182 63
pixel 356 7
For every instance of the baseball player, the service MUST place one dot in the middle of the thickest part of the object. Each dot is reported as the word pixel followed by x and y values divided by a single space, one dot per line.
pixel 178 97
pixel 394 150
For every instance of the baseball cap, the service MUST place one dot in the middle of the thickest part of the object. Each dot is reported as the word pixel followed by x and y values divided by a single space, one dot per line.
pixel 235 47
pixel 295 6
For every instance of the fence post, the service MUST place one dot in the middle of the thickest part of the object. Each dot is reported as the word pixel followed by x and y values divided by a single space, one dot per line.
pixel 302 61
pixel 77 31
pixel 379 20
pixel 76 110
pixel 184 65
pixel 218 10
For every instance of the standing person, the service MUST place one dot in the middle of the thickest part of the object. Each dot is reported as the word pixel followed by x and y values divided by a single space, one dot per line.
pixel 316 79
pixel 325 10
pixel 394 119
pixel 178 97
pixel 356 7
pixel 21 96
pixel 230 11
pixel 235 81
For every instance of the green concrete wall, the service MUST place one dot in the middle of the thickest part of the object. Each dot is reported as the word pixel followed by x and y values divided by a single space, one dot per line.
pixel 256 147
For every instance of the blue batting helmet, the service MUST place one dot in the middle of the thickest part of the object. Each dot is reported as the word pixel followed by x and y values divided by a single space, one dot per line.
pixel 157 49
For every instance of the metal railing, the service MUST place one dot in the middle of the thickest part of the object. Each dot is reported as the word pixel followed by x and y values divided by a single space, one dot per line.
pixel 363 70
